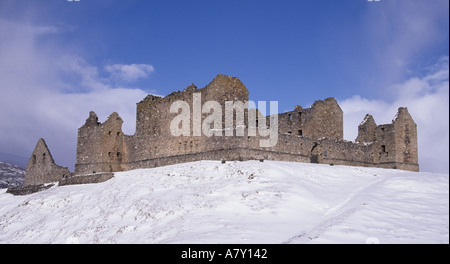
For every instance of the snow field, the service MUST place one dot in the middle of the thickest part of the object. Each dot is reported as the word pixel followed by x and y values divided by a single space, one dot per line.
pixel 236 202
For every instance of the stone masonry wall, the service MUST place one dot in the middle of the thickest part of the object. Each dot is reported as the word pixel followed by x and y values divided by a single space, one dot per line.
pixel 100 146
pixel 89 146
pixel 312 134
pixel 41 167
pixel 323 119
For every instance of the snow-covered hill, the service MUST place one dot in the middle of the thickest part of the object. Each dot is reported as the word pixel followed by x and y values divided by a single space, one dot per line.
pixel 236 202
pixel 11 175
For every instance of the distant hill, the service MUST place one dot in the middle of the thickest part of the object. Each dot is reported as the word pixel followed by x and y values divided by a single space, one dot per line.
pixel 11 175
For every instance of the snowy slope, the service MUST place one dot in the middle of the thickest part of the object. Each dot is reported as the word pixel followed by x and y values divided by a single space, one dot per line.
pixel 236 202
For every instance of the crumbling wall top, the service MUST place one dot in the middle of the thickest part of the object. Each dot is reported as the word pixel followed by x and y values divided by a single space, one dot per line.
pixel 92 120
pixel 402 114
pixel 368 119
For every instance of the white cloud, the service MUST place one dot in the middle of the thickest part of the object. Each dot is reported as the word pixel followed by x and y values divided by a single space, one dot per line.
pixel 401 32
pixel 130 72
pixel 427 99
pixel 45 93
pixel 86 76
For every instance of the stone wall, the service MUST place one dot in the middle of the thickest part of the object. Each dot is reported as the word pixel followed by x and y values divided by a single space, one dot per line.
pixel 323 119
pixel 41 167
pixel 89 146
pixel 366 130
pixel 86 179
pixel 100 146
pixel 391 145
pixel 312 134
pixel 29 189
pixel 405 137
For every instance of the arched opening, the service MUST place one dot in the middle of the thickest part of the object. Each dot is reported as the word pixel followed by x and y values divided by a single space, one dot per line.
pixel 314 154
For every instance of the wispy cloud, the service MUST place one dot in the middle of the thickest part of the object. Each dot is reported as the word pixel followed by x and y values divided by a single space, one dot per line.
pixel 402 36
pixel 45 93
pixel 129 72
pixel 401 33
pixel 427 99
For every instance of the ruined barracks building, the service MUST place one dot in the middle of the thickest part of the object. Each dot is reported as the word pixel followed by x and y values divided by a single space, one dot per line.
pixel 313 135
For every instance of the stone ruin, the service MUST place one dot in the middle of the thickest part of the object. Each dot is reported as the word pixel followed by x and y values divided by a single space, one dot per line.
pixel 312 135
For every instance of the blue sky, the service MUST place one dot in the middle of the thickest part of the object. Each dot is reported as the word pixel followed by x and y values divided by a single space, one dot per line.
pixel 61 59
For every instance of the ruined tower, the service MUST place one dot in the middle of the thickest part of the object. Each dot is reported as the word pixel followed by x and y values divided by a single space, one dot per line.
pixel 405 141
pixel 392 145
pixel 100 145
